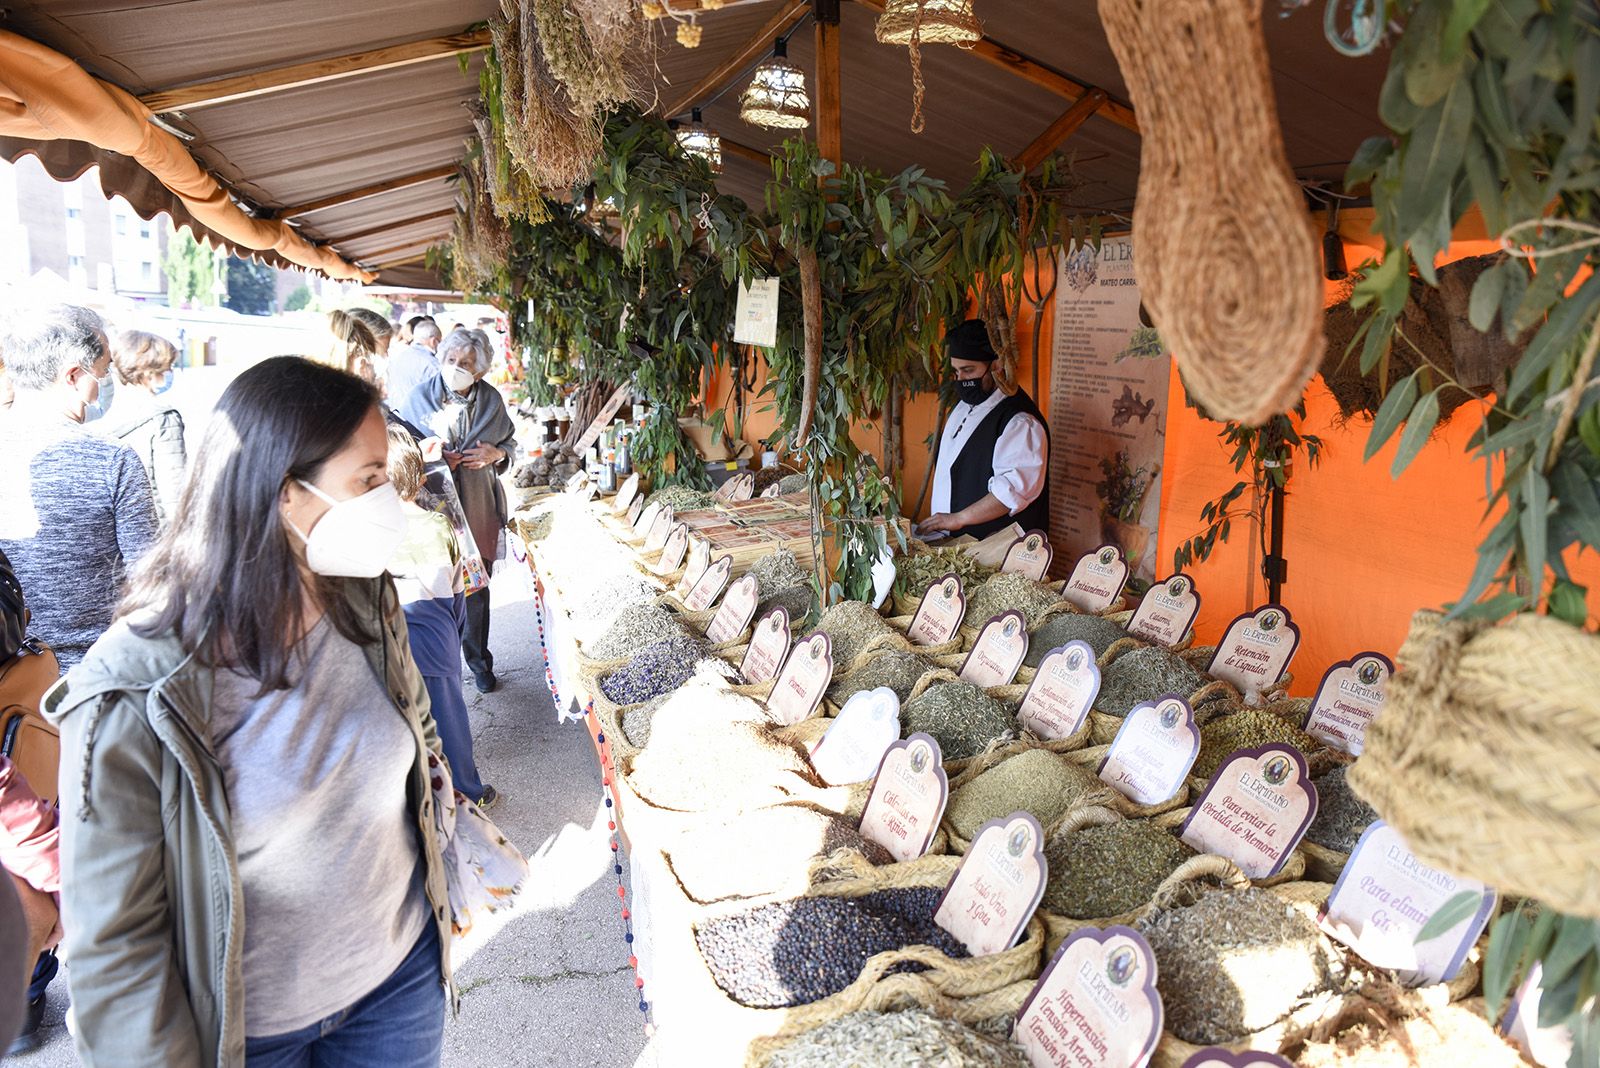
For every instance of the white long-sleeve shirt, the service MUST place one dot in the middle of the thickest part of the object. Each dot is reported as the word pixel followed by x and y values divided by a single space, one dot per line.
pixel 1020 456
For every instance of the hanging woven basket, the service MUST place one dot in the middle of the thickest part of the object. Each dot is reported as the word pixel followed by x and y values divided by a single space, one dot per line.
pixel 1487 755
pixel 942 22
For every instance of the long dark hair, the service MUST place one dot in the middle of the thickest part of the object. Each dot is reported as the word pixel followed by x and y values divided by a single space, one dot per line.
pixel 223 578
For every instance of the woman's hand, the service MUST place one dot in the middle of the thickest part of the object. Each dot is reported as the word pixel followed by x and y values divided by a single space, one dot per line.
pixel 480 456
pixel 937 523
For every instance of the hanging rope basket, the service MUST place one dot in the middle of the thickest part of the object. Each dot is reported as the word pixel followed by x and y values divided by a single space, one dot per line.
pixel 930 22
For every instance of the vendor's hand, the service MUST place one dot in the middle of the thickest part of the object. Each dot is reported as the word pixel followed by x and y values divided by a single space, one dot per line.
pixel 938 523
pixel 480 456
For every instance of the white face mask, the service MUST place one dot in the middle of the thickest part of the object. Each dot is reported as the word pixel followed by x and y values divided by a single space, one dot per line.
pixel 459 379
pixel 355 538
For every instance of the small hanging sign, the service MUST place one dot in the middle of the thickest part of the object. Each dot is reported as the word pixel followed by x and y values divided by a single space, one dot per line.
pixel 908 798
pixel 1350 697
pixel 1153 751
pixel 1096 1005
pixel 768 647
pixel 1062 692
pixel 802 681
pixel 1256 651
pixel 994 893
pixel 1255 809
pixel 939 616
pixel 626 493
pixel 853 748
pixel 1029 555
pixel 1217 1057
pixel 635 510
pixel 735 612
pixel 659 529
pixel 672 552
pixel 1384 898
pixel 1097 579
pixel 645 521
pixel 755 314
pixel 999 651
pixel 699 559
pixel 710 585
pixel 1167 611
pixel 740 487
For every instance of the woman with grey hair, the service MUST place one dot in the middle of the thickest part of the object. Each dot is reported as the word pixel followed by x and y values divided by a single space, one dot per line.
pixel 469 416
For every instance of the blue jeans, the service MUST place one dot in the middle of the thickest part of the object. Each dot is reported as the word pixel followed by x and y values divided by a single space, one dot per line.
pixel 398 1025
pixel 455 732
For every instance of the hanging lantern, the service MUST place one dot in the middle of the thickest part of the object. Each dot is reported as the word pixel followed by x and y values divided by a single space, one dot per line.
pixel 929 22
pixel 696 139
pixel 776 97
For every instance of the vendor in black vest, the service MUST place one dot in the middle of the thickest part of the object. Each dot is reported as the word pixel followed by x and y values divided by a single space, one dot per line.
pixel 993 464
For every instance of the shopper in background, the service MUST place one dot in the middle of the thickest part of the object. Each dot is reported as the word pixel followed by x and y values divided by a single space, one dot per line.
pixel 355 348
pixel 382 331
pixel 411 367
pixel 402 329
pixel 427 574
pixel 143 419
pixel 30 839
pixel 261 668
pixel 78 508
pixel 457 406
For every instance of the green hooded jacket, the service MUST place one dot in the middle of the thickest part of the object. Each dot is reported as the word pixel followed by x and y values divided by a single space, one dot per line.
pixel 151 900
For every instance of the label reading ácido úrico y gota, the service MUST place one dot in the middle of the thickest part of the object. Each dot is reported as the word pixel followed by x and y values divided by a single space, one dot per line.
pixel 735 611
pixel 1155 747
pixel 1096 1005
pixel 1097 579
pixel 997 655
pixel 994 893
pixel 802 680
pixel 1029 555
pixel 1350 697
pixel 710 585
pixel 1256 651
pixel 1255 809
pixel 908 798
pixel 626 493
pixel 853 748
pixel 939 616
pixel 1167 611
pixel 672 552
pixel 1062 692
pixel 769 645
pixel 695 566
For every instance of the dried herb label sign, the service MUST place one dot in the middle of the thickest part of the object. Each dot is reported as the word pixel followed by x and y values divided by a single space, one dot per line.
pixel 939 616
pixel 735 612
pixel 1062 692
pixel 1153 751
pixel 695 566
pixel 660 527
pixel 802 681
pixel 1385 897
pixel 635 510
pixel 577 483
pixel 627 493
pixel 672 552
pixel 999 651
pixel 740 487
pixel 853 748
pixel 1029 555
pixel 645 521
pixel 1256 651
pixel 908 798
pixel 768 647
pixel 770 491
pixel 1097 579
pixel 1350 697
pixel 1255 809
pixel 710 585
pixel 1217 1057
pixel 1096 1005
pixel 998 887
pixel 1167 611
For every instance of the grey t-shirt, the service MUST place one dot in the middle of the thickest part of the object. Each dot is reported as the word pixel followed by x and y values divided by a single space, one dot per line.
pixel 328 854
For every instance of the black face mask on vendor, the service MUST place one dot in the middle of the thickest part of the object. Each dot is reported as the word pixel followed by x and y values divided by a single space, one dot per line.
pixel 972 390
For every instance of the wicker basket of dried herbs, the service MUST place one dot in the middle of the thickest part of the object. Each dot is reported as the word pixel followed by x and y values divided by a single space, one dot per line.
pixel 921 568
pixel 1003 592
pixel 1231 726
pixel 1106 637
pixel 1038 781
pixel 949 1032
pixel 965 720
pixel 635 627
pixel 1341 818
pixel 899 670
pixel 1144 674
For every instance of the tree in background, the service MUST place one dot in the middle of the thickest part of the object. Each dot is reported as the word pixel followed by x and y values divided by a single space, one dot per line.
pixel 251 287
pixel 299 299
pixel 191 272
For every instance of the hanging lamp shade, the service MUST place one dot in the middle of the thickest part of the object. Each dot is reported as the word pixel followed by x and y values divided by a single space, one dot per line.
pixel 698 140
pixel 776 97
pixel 929 22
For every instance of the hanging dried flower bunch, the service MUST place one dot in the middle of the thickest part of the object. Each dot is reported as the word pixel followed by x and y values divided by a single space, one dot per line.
pixel 510 191
pixel 595 77
pixel 689 33
pixel 481 245
pixel 554 142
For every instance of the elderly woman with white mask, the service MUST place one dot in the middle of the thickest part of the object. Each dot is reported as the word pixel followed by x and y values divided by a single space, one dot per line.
pixel 458 407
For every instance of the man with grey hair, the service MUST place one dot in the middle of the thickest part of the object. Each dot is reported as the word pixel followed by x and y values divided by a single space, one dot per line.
pixel 412 365
pixel 78 508
pixel 470 416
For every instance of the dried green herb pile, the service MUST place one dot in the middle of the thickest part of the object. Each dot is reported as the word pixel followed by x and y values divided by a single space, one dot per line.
pixel 913 574
pixel 1057 631
pixel 779 571
pixel 636 626
pixel 850 625
pixel 600 605
pixel 1109 870
pixel 681 498
pixel 798 601
pixel 768 851
pixel 1144 675
pixel 1006 591
pixel 911 1038
pixel 895 668
pixel 1245 729
pixel 660 668
pixel 800 951
pixel 792 484
pixel 961 718
pixel 1341 815
pixel 1234 962
pixel 1036 781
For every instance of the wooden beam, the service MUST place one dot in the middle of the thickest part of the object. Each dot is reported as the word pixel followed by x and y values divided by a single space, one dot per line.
pixel 353 195
pixel 828 105
pixel 991 51
pixel 378 256
pixel 1063 128
pixel 784 20
pixel 243 86
pixel 418 258
pixel 754 155
pixel 389 227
